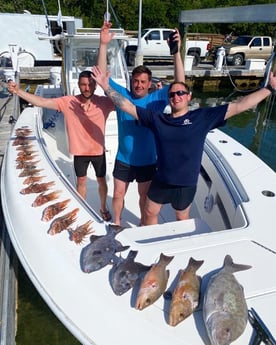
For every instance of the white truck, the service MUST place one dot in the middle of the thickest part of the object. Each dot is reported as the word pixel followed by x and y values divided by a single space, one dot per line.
pixel 25 32
pixel 154 46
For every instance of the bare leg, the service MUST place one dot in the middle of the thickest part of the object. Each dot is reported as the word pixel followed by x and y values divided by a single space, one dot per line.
pixel 102 189
pixel 81 186
pixel 120 189
pixel 184 214
pixel 143 188
pixel 152 210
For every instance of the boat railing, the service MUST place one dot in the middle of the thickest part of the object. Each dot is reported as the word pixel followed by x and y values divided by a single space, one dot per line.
pixel 118 33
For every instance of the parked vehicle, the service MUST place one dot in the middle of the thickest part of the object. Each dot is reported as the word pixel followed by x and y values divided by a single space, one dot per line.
pixel 247 47
pixel 154 46
pixel 30 37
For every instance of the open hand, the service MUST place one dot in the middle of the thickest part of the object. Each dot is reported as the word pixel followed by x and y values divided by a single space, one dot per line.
pixel 105 35
pixel 102 79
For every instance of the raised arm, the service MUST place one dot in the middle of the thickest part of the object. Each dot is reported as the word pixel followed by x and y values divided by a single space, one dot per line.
pixel 105 38
pixel 31 98
pixel 102 79
pixel 179 72
pixel 251 100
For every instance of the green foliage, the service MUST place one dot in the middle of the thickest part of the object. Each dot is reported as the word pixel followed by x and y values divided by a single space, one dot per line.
pixel 155 13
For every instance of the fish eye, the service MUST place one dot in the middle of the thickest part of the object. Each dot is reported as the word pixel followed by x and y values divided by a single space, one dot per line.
pixel 96 252
pixel 122 274
pixel 148 301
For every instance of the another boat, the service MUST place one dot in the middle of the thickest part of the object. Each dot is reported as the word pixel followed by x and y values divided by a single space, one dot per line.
pixel 234 213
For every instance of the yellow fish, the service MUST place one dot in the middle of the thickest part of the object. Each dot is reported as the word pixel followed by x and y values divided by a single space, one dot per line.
pixel 154 283
pixel 185 298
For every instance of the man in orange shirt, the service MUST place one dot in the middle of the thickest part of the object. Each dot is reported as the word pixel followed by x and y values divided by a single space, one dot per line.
pixel 85 116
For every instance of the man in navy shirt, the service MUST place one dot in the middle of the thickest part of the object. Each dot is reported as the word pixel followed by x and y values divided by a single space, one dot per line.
pixel 179 137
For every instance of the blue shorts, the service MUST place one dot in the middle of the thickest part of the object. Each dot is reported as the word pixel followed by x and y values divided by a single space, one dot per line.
pixel 81 164
pixel 178 196
pixel 129 173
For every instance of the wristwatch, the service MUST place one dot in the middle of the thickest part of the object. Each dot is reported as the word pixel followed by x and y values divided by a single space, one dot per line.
pixel 270 88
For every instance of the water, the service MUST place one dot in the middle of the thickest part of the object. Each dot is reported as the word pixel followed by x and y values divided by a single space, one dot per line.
pixel 255 129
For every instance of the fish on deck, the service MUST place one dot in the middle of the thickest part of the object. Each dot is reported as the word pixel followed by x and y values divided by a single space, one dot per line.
pixel 51 211
pixel 224 308
pixel 37 187
pixel 185 298
pixel 154 283
pixel 43 198
pixel 125 273
pixel 63 223
pixel 101 250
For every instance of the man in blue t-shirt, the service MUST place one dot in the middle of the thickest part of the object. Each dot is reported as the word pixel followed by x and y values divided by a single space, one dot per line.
pixel 179 138
pixel 136 156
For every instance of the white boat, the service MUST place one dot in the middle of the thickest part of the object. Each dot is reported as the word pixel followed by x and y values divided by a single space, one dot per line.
pixel 234 213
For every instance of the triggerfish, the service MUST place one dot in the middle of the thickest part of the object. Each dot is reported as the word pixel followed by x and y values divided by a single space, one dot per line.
pixel 224 308
pixel 126 272
pixel 154 283
pixel 101 250
pixel 185 298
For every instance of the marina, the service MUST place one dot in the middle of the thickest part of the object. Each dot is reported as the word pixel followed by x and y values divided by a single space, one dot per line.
pixel 203 77
pixel 227 226
pixel 224 222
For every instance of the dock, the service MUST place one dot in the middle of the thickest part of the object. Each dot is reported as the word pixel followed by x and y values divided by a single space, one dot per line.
pixel 8 259
pixel 203 77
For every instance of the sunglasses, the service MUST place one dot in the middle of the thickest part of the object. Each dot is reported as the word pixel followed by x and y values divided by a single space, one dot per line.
pixel 178 93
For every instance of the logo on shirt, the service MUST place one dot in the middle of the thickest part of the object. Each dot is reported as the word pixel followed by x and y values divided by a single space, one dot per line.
pixel 186 122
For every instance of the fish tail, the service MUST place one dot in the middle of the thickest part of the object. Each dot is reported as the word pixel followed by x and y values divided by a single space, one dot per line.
pixel 132 254
pixel 194 264
pixel 165 259
pixel 115 228
pixel 230 266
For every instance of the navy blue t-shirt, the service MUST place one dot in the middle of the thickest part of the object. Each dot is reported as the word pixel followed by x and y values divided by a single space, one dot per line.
pixel 180 141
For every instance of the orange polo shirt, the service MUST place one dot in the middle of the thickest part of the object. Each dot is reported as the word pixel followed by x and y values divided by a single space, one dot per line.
pixel 86 129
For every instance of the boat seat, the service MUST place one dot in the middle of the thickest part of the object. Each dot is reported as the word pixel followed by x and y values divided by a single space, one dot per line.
pixel 167 231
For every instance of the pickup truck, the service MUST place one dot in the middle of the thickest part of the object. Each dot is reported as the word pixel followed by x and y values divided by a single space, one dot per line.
pixel 154 46
pixel 248 47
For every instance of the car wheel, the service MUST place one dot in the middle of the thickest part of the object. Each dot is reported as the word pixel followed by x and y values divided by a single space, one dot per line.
pixel 130 58
pixel 237 60
pixel 196 59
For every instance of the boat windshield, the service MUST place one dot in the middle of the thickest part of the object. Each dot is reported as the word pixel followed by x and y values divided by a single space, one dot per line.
pixel 84 57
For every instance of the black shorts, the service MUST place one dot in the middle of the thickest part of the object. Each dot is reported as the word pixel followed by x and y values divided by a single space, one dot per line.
pixel 81 164
pixel 179 197
pixel 129 173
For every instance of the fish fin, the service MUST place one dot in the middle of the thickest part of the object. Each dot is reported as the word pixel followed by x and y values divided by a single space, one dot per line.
pixel 132 254
pixel 122 248
pixel 115 228
pixel 94 238
pixel 194 265
pixel 230 266
pixel 165 258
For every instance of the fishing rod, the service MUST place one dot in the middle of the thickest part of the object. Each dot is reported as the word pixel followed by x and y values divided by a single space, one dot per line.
pixel 47 18
pixel 107 14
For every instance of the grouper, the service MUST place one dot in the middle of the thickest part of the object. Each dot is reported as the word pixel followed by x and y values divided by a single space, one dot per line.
pixel 224 308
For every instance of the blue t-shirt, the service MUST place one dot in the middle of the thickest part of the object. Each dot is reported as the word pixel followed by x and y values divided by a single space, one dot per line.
pixel 180 141
pixel 136 143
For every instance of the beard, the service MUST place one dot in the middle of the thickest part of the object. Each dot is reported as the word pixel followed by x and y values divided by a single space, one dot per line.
pixel 86 95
